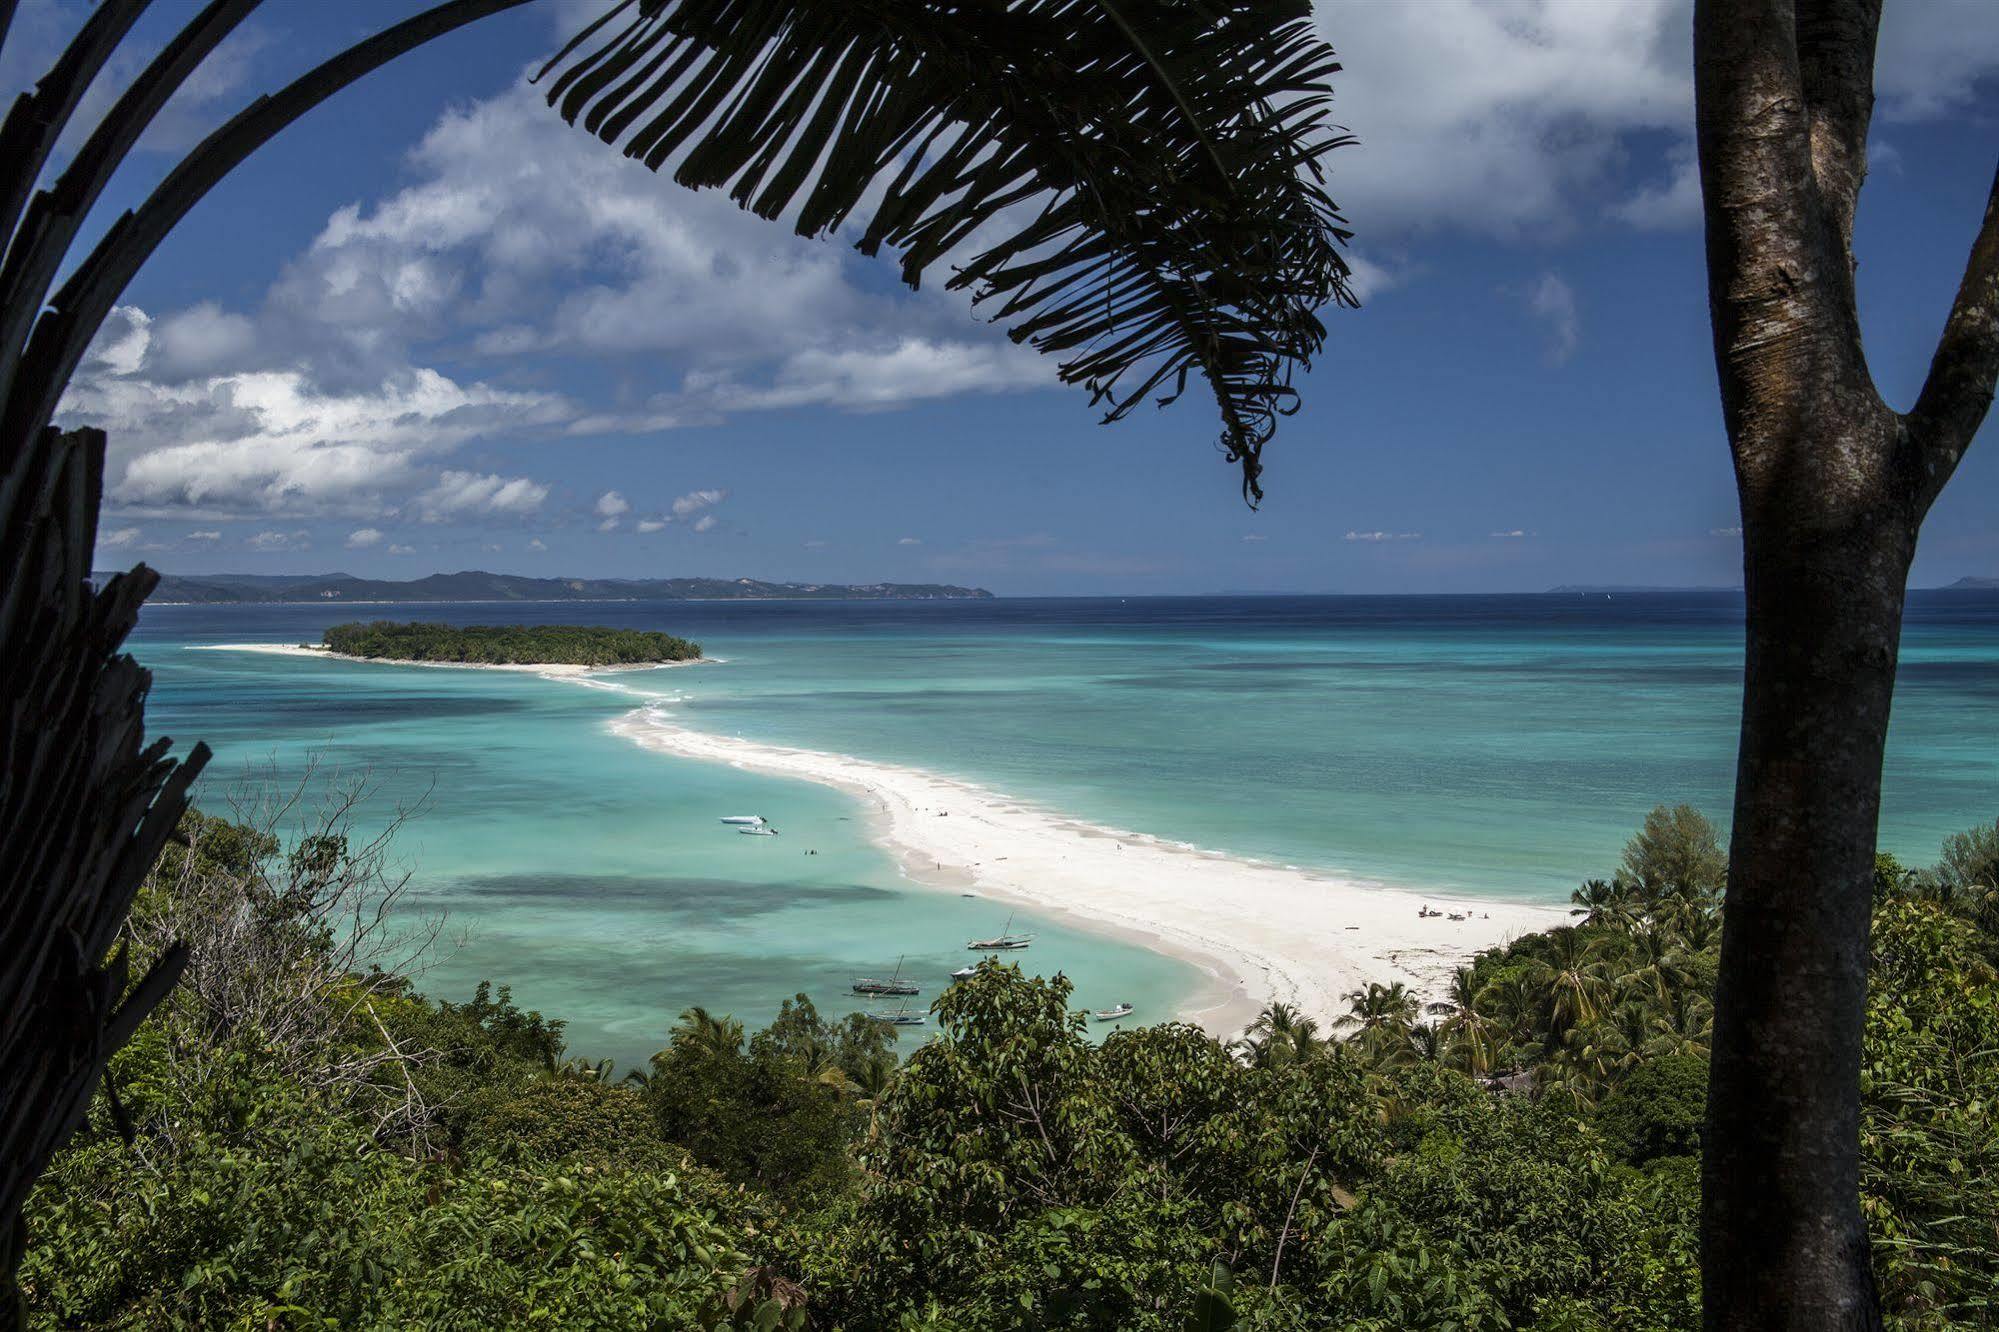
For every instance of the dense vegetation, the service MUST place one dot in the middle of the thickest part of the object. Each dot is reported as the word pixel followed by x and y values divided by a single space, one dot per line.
pixel 313 1143
pixel 510 644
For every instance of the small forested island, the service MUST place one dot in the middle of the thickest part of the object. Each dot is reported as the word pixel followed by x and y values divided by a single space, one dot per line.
pixel 507 644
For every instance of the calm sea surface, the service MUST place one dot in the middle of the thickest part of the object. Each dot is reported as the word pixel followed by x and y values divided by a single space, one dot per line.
pixel 1502 745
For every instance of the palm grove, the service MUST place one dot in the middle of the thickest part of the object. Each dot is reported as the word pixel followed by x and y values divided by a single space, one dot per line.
pixel 1152 175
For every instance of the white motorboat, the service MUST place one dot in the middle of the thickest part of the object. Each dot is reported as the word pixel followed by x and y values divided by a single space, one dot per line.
pixel 1112 1014
pixel 745 820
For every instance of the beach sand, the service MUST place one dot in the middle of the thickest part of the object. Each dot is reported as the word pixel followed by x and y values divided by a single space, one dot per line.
pixel 1261 932
pixel 554 669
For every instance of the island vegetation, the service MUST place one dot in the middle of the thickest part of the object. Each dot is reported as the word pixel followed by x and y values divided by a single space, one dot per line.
pixel 508 645
pixel 297 1137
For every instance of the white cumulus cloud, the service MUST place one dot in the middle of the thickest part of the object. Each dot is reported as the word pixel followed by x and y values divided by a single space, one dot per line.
pixel 696 500
pixel 458 496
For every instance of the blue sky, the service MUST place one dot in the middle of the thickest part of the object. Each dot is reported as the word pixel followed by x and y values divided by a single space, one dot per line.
pixel 433 328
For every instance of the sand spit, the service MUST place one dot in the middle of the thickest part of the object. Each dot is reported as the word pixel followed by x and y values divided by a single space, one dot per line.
pixel 1262 932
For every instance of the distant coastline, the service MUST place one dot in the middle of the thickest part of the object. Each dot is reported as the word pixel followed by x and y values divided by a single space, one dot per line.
pixel 479 586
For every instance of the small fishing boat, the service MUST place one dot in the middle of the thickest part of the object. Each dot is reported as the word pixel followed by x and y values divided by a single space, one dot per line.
pixel 1112 1014
pixel 965 973
pixel 900 1017
pixel 895 984
pixel 745 820
pixel 760 830
pixel 1006 941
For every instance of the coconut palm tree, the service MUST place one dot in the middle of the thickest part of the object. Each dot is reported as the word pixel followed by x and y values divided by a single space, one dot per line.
pixel 1516 1003
pixel 1682 1025
pixel 1279 1036
pixel 1655 961
pixel 1379 1005
pixel 1382 1018
pixel 1601 902
pixel 1617 1041
pixel 1571 980
pixel 1470 1033
pixel 704 1032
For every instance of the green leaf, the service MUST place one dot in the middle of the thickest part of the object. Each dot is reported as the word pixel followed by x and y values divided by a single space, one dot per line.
pixel 1139 187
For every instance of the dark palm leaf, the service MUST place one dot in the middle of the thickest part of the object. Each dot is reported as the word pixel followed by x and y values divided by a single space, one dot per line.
pixel 1151 167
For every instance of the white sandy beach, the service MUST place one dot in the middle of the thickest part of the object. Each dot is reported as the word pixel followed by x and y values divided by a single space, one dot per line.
pixel 556 669
pixel 1262 931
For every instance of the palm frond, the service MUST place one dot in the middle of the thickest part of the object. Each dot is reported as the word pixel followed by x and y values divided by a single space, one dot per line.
pixel 1139 181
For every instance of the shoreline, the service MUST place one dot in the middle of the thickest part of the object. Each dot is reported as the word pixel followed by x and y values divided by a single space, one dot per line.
pixel 1261 932
pixel 551 669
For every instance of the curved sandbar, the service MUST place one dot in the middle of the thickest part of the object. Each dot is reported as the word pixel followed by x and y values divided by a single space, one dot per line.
pixel 1263 932
pixel 553 668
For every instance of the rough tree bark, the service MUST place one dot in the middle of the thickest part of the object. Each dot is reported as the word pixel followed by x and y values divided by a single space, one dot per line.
pixel 85 803
pixel 1834 485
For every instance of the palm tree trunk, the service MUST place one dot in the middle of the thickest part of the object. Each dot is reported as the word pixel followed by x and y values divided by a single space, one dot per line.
pixel 85 806
pixel 1784 1244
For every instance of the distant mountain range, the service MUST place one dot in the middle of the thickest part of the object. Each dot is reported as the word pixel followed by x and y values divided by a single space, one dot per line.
pixel 476 585
pixel 1972 583
pixel 1575 589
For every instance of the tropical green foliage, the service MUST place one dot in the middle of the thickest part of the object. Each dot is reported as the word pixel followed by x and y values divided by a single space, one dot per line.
pixel 778 1111
pixel 313 1145
pixel 1521 1156
pixel 507 645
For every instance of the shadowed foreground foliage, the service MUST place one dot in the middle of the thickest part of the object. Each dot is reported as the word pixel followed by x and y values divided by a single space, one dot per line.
pixel 395 1161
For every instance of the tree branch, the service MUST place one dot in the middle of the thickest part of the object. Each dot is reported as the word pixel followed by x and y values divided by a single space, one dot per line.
pixel 6 19
pixel 56 214
pixel 1958 391
pixel 62 335
pixel 38 119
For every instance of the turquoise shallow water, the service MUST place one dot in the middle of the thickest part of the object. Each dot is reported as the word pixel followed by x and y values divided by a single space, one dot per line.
pixel 1498 745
